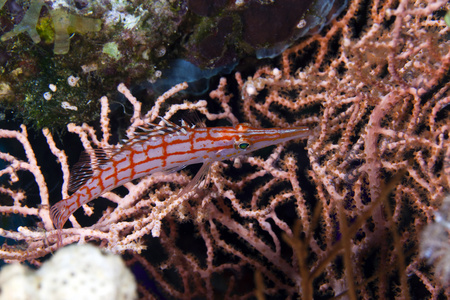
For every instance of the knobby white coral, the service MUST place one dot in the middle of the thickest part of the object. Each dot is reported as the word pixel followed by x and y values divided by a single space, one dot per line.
pixel 74 272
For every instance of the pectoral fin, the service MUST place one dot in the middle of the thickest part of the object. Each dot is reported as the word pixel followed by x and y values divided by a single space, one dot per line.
pixel 199 179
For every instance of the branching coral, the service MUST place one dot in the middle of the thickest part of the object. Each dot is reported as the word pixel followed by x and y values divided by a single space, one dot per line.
pixel 376 89
pixel 384 99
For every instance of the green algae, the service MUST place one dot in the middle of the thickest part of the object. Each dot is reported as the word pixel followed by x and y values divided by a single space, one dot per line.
pixel 28 24
pixel 66 23
pixel 112 49
pixel 447 18
pixel 63 25
pixel 44 98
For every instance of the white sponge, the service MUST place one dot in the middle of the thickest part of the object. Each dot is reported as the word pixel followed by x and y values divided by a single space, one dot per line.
pixel 74 272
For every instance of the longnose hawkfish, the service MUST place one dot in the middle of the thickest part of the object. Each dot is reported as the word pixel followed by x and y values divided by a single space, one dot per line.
pixel 164 148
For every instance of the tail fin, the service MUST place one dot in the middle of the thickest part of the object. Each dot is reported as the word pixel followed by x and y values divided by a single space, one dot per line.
pixel 59 213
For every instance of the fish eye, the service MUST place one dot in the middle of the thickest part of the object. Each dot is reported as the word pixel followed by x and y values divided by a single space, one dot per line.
pixel 242 145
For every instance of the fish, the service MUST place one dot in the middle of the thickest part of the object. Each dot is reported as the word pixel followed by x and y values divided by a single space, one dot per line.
pixel 163 148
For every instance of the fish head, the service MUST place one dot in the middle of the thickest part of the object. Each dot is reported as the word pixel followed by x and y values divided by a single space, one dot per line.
pixel 244 139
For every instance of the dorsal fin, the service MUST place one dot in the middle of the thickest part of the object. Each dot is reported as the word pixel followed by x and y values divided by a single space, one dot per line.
pixel 192 119
pixel 89 161
pixel 150 130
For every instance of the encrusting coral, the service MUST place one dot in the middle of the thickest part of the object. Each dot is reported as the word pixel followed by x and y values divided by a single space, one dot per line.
pixel 46 42
pixel 341 219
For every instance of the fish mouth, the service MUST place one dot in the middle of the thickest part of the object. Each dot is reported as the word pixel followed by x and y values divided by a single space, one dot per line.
pixel 294 131
pixel 276 135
